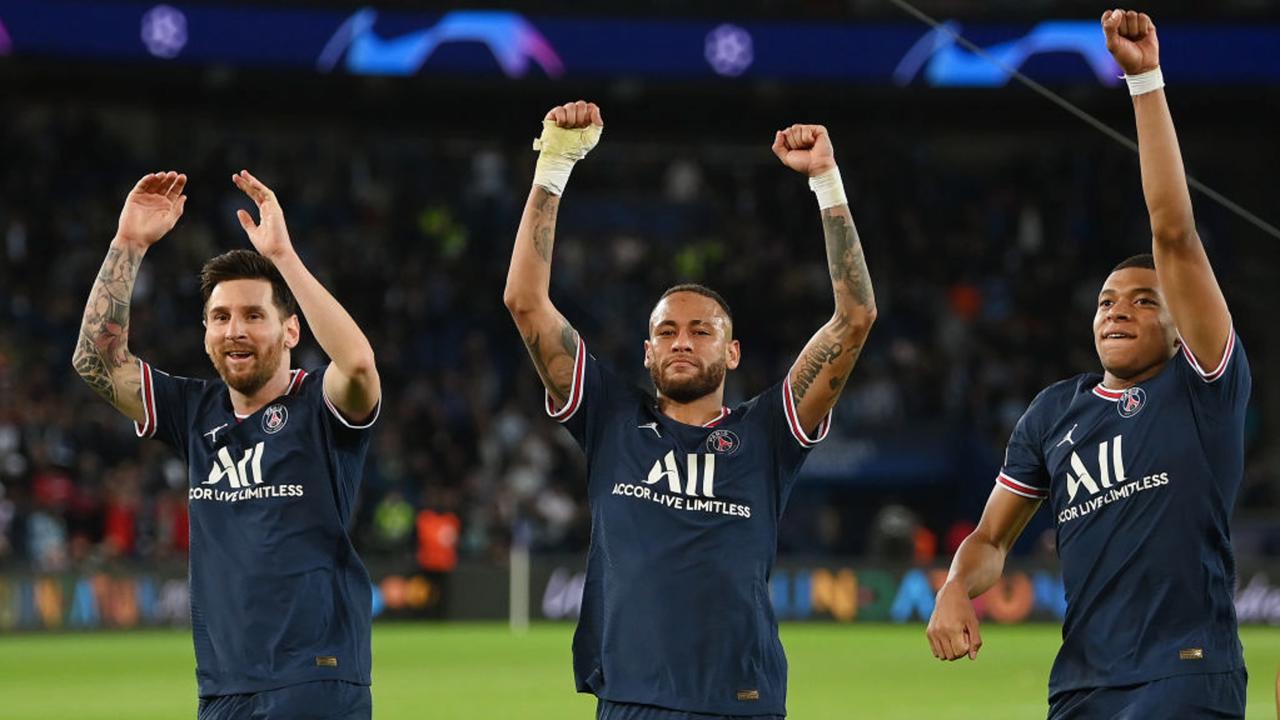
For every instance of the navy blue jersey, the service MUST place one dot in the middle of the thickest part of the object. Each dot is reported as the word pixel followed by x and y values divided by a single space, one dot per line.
pixel 1141 483
pixel 676 611
pixel 278 594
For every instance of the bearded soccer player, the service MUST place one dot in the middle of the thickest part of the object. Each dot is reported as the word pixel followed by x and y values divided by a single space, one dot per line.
pixel 280 602
pixel 1141 466
pixel 685 493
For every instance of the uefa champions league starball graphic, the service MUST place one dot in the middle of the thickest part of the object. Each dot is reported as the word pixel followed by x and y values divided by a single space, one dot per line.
pixel 164 31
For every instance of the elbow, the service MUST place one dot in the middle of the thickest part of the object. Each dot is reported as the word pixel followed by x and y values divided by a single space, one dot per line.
pixel 1173 238
pixel 362 367
pixel 1173 231
pixel 521 304
pixel 856 322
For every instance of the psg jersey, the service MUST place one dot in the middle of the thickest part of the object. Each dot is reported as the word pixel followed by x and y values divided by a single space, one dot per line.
pixel 1141 483
pixel 278 594
pixel 676 610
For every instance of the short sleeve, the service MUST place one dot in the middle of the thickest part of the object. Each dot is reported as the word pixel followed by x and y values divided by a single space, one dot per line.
pixel 1024 471
pixel 166 402
pixel 336 419
pixel 1228 385
pixel 588 396
pixel 793 442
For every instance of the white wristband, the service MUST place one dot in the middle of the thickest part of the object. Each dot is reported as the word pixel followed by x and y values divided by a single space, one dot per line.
pixel 552 173
pixel 1146 82
pixel 829 189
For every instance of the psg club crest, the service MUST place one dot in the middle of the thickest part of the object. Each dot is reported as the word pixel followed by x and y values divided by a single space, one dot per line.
pixel 1131 402
pixel 274 418
pixel 723 442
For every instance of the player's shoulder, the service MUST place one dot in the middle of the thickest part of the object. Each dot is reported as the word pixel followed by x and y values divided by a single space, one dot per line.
pixel 1057 397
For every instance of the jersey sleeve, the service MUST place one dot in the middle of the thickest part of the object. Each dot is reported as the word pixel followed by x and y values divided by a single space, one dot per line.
pixel 793 441
pixel 166 405
pixel 1226 386
pixel 590 396
pixel 1024 471
pixel 343 427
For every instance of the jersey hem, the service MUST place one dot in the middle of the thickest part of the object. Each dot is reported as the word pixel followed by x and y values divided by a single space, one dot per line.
pixel 267 686
pixel 1141 679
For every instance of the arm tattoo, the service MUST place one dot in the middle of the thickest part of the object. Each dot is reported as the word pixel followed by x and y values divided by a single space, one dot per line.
pixel 103 347
pixel 550 361
pixel 544 227
pixel 825 349
pixel 844 255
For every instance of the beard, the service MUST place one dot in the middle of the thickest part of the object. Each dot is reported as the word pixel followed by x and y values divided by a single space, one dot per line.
pixel 251 379
pixel 687 388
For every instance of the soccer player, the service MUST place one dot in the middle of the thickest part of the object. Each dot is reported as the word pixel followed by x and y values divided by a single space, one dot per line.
pixel 1140 465
pixel 685 493
pixel 280 603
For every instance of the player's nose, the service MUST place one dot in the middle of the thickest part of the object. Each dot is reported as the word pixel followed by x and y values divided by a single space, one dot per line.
pixel 234 328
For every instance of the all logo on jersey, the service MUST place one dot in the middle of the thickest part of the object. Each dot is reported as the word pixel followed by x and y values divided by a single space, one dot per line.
pixel 1131 401
pixel 694 490
pixel 274 418
pixel 1080 477
pixel 723 442
pixel 241 474
pixel 233 479
pixel 666 468
pixel 1111 482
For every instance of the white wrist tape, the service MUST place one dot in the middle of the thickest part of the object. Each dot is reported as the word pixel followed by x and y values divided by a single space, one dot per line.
pixel 1146 82
pixel 560 148
pixel 829 189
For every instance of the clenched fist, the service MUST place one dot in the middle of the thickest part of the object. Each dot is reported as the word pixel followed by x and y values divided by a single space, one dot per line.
pixel 805 149
pixel 1131 40
pixel 575 115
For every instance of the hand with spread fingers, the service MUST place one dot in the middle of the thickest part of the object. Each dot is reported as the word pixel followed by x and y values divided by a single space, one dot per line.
pixel 152 208
pixel 269 235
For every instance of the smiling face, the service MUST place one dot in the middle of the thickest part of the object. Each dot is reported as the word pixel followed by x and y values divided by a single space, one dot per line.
pixel 245 335
pixel 690 347
pixel 1133 331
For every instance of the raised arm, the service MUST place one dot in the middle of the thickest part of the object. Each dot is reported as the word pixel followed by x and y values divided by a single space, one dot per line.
pixel 569 132
pixel 819 373
pixel 979 562
pixel 351 382
pixel 102 357
pixel 1186 278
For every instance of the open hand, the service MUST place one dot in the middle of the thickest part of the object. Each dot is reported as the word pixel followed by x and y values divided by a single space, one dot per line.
pixel 152 208
pixel 269 235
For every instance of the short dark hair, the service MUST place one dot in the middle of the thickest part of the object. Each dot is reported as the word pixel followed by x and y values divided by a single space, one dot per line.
pixel 1142 260
pixel 702 290
pixel 247 265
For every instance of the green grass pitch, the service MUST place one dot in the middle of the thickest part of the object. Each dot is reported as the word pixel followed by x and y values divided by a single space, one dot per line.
pixel 468 671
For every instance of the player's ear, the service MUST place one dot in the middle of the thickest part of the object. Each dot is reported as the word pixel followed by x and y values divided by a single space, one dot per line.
pixel 734 355
pixel 648 353
pixel 292 331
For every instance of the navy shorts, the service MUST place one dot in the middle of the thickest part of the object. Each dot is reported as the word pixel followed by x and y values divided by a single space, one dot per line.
pixel 1181 697
pixel 609 710
pixel 318 700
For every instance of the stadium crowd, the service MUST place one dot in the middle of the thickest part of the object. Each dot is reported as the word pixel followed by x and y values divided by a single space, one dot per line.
pixel 986 266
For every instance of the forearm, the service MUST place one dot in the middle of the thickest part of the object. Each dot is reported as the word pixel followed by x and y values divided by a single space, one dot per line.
pixel 333 327
pixel 1164 181
pixel 102 357
pixel 529 277
pixel 850 281
pixel 978 564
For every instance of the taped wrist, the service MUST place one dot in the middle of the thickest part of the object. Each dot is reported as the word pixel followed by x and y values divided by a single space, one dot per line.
pixel 559 149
